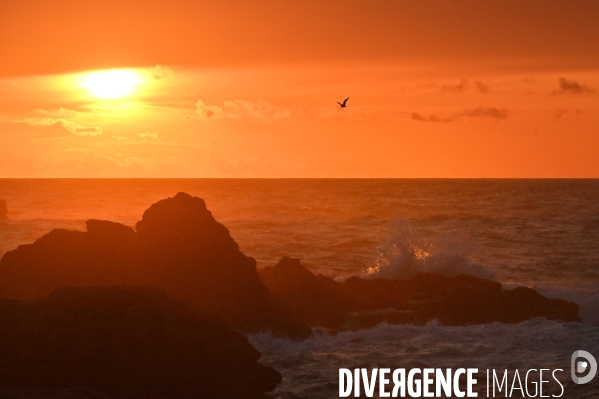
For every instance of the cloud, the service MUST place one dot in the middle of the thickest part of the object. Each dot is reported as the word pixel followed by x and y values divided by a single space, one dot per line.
pixel 236 109
pixel 572 87
pixel 481 87
pixel 205 111
pixel 479 112
pixel 148 135
pixel 464 86
pixel 257 109
pixel 86 160
pixel 161 72
pixel 431 118
pixel 60 112
pixel 459 88
pixel 483 112
pixel 70 126
pixel 561 114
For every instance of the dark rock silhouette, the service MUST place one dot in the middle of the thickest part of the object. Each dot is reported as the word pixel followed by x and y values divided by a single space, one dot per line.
pixel 359 303
pixel 105 255
pixel 126 342
pixel 178 247
pixel 194 256
pixel 3 210
pixel 316 300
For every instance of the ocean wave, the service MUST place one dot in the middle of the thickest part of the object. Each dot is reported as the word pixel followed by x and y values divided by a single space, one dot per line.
pixel 408 254
pixel 310 368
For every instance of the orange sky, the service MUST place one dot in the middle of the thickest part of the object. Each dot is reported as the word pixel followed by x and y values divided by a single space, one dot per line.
pixel 249 89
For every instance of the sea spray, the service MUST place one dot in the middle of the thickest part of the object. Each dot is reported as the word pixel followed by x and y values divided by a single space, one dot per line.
pixel 310 368
pixel 409 253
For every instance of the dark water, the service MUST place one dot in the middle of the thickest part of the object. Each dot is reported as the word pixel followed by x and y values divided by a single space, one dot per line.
pixel 541 233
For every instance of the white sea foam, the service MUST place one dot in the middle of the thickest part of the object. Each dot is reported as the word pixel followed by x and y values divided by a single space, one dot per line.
pixel 310 368
pixel 528 232
pixel 408 254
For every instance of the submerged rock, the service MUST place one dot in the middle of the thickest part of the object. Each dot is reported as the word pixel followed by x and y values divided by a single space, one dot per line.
pixel 126 342
pixel 3 210
pixel 178 246
pixel 358 303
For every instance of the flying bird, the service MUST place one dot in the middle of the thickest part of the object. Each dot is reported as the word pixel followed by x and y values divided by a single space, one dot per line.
pixel 344 101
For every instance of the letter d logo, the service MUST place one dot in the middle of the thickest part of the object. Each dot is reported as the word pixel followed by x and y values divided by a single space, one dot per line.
pixel 582 366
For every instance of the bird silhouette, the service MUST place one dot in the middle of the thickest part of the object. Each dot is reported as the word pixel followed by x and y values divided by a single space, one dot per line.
pixel 344 101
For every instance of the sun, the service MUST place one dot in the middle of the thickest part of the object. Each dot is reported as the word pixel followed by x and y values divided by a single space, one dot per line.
pixel 111 84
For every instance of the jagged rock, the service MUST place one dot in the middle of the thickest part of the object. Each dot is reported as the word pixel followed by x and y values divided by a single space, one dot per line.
pixel 194 256
pixel 102 256
pixel 3 210
pixel 359 303
pixel 128 343
pixel 178 247
pixel 316 300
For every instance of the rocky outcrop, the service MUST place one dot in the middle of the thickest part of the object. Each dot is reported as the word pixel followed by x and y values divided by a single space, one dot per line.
pixel 126 343
pixel 316 300
pixel 3 210
pixel 193 256
pixel 105 255
pixel 178 246
pixel 359 303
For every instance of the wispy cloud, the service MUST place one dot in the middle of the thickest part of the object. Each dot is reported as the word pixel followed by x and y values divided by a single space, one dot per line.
pixel 459 88
pixel 148 135
pixel 236 109
pixel 161 72
pixel 562 115
pixel 206 111
pixel 429 118
pixel 479 112
pixel 572 87
pixel 481 87
pixel 61 112
pixel 257 109
pixel 465 86
pixel 483 112
pixel 73 127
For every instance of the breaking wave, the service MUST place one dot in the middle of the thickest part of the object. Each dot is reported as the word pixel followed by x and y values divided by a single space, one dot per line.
pixel 408 254
pixel 310 368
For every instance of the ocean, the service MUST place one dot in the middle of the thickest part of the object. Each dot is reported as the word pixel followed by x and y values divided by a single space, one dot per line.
pixel 538 233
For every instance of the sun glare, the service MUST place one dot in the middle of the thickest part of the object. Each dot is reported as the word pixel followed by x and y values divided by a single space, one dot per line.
pixel 111 84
